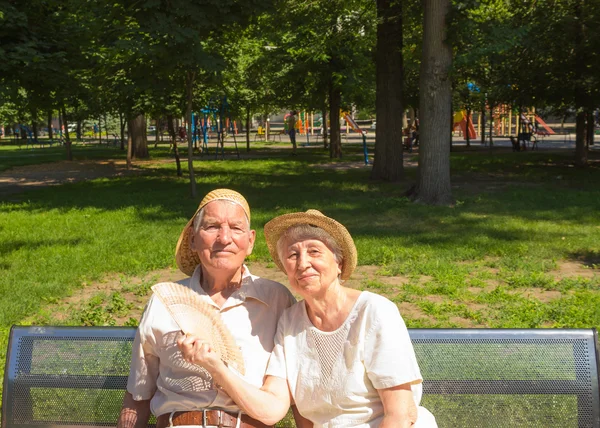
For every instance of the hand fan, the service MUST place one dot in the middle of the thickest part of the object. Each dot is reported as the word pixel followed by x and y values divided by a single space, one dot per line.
pixel 195 316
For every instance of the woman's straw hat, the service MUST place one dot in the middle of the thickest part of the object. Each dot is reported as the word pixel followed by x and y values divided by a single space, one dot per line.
pixel 187 259
pixel 276 227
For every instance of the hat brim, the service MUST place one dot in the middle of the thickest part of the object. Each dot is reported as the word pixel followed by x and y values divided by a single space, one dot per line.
pixel 186 258
pixel 277 226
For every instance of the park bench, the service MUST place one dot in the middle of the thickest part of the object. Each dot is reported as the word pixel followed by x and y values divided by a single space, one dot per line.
pixel 76 376
pixel 527 139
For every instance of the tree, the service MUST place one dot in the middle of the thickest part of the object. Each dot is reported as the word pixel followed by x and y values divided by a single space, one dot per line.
pixel 433 181
pixel 323 51
pixel 43 54
pixel 388 162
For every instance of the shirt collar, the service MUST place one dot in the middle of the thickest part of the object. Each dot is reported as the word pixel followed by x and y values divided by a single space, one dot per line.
pixel 250 288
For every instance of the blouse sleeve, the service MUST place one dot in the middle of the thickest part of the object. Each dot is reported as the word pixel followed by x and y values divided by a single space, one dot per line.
pixel 276 366
pixel 143 371
pixel 389 355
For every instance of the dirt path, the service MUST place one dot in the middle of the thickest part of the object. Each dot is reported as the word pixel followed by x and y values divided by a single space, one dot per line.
pixel 94 302
pixel 120 299
pixel 21 178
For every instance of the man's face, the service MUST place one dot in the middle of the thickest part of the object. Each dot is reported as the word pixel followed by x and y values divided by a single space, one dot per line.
pixel 224 238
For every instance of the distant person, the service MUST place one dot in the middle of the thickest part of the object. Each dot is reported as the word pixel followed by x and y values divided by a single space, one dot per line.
pixel 182 133
pixel 415 134
pixel 408 138
pixel 96 129
pixel 291 124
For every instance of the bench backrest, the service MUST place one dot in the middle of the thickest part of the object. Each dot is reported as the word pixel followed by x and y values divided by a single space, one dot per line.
pixel 524 136
pixel 76 376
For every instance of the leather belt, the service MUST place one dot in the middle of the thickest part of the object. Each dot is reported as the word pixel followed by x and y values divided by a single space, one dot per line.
pixel 209 418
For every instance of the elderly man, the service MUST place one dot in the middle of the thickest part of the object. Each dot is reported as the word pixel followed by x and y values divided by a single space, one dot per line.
pixel 211 249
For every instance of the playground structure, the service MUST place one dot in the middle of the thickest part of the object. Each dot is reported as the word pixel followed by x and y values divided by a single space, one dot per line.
pixel 305 122
pixel 305 125
pixel 350 122
pixel 216 120
pixel 460 121
pixel 506 123
pixel 509 123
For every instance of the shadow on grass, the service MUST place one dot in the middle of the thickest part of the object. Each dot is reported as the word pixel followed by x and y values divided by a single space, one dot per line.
pixel 590 259
pixel 368 209
pixel 7 247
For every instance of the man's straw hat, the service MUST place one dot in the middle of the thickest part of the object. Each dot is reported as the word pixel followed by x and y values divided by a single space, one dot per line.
pixel 187 259
pixel 276 227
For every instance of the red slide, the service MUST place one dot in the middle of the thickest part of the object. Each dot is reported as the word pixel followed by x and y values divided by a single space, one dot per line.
pixel 544 125
pixel 463 128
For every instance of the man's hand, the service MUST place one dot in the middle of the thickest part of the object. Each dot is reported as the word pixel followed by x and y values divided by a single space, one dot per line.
pixel 134 414
pixel 197 351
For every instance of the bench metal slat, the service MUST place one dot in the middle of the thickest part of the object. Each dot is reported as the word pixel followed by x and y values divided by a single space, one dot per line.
pixel 70 381
pixel 509 387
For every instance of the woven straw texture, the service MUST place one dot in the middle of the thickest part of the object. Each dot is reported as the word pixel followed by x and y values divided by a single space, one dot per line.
pixel 186 258
pixel 194 316
pixel 276 227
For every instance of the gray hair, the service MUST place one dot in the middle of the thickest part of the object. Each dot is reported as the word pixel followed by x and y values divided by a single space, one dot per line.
pixel 301 232
pixel 200 216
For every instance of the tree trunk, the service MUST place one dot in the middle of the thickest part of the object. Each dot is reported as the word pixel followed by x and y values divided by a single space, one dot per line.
pixel 581 152
pixel 335 101
pixel 491 127
pixel 173 136
pixel 388 161
pixel 450 136
pixel 590 129
pixel 467 127
pixel 35 128
pixel 189 84
pixel 482 128
pixel 325 127
pixel 433 181
pixel 65 122
pixel 122 124
pixel 50 133
pixel 156 131
pixel 248 129
pixel 137 128
pixel 105 129
pixel 129 144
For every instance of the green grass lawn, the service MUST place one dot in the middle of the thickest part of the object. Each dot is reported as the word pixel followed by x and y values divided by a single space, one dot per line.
pixel 485 261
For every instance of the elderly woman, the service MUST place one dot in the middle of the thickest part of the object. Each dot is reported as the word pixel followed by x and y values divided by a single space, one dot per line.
pixel 342 356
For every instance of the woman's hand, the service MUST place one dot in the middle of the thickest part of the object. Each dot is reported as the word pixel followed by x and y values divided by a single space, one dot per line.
pixel 197 351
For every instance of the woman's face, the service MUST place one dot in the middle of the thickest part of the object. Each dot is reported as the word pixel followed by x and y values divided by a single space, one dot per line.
pixel 310 266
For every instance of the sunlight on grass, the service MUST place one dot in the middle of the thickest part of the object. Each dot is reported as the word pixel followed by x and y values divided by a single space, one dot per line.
pixel 478 259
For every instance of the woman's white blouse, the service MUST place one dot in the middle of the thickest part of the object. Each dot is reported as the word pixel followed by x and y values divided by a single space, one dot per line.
pixel 334 376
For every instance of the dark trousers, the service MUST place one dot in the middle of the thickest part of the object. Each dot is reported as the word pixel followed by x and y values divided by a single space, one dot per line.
pixel 292 133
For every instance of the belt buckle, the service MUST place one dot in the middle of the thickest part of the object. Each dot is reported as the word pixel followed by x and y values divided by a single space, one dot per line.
pixel 205 421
